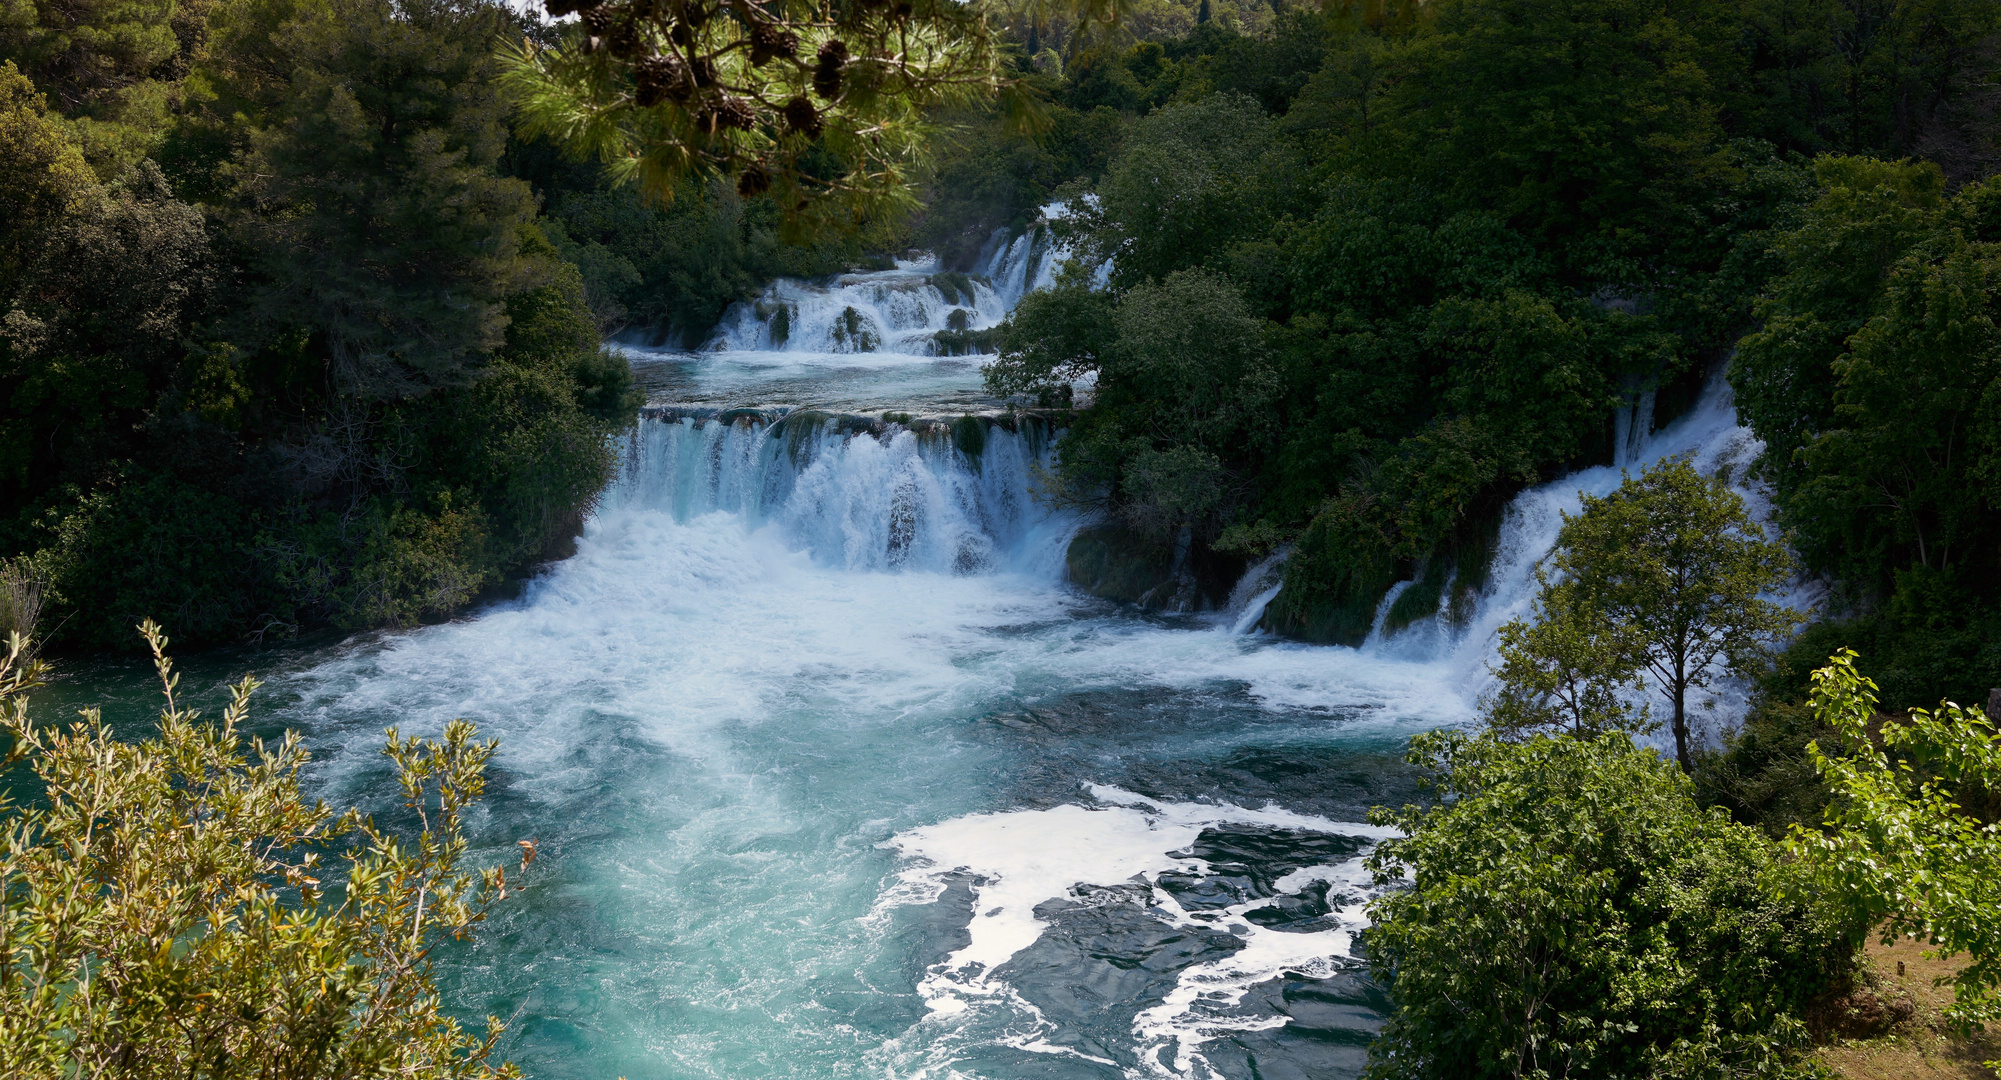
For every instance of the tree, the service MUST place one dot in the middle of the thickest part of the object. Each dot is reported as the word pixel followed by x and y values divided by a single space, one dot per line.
pixel 165 912
pixel 1567 672
pixel 370 204
pixel 1900 850
pixel 81 51
pixel 1675 560
pixel 1570 913
pixel 1866 215
pixel 1584 123
pixel 1190 180
pixel 42 173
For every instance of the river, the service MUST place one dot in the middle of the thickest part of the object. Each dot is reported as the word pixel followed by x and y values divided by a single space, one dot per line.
pixel 833 775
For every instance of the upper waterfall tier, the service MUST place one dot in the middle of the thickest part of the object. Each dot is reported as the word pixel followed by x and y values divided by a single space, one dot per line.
pixel 918 308
pixel 907 339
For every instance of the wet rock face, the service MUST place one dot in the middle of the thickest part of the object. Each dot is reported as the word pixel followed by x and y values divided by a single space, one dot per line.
pixel 1113 955
pixel 1245 863
pixel 1111 562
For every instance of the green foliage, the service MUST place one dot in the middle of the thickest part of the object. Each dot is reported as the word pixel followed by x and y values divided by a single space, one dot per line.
pixel 1569 671
pixel 82 52
pixel 1678 566
pixel 342 380
pixel 1188 181
pixel 370 209
pixel 669 268
pixel 1872 383
pixel 170 908
pixel 1571 912
pixel 92 322
pixel 1182 377
pixel 473 485
pixel 44 173
pixel 1582 124
pixel 1335 577
pixel 1900 850
pixel 1052 339
pixel 827 108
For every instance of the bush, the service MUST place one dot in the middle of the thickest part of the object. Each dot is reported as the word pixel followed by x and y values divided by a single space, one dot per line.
pixel 1909 845
pixel 168 908
pixel 1571 912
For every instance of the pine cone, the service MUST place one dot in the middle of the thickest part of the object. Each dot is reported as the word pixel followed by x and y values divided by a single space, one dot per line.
pixel 801 117
pixel 733 111
pixel 827 74
pixel 770 41
pixel 660 78
pixel 754 181
pixel 559 8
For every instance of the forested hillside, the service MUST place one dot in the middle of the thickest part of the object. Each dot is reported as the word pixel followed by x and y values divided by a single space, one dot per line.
pixel 297 330
pixel 1375 267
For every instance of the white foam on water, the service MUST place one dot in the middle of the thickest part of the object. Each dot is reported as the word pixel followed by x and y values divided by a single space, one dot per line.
pixel 1015 861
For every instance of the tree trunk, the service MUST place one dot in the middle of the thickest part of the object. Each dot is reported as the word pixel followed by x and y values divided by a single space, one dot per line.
pixel 1681 721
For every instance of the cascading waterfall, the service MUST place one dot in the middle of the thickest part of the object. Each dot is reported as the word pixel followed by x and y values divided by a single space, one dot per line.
pixel 1708 434
pixel 917 309
pixel 894 311
pixel 1022 264
pixel 856 494
pixel 1632 425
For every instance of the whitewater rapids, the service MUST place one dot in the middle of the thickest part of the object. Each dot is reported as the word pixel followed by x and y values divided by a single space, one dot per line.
pixel 834 775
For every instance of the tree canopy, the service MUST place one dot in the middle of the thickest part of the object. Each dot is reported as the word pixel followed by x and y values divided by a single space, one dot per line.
pixel 1673 559
pixel 1566 910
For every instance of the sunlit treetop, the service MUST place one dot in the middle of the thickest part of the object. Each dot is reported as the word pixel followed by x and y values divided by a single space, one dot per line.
pixel 823 103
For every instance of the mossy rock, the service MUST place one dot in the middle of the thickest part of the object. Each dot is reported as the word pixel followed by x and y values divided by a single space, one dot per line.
pixel 1335 579
pixel 1109 562
pixel 969 434
pixel 1341 618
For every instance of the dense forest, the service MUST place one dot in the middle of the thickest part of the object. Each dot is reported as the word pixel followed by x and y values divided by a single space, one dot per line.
pixel 1374 269
pixel 298 331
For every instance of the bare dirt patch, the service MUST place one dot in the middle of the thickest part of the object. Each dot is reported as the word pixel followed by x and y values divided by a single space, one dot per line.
pixel 1892 1025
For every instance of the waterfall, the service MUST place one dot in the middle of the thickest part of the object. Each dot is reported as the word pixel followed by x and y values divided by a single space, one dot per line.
pixel 918 308
pixel 1631 426
pixel 894 311
pixel 1255 591
pixel 1708 433
pixel 1020 265
pixel 855 493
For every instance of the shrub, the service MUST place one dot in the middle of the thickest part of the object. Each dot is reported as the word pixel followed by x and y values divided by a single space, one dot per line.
pixel 168 913
pixel 1571 912
pixel 1905 847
